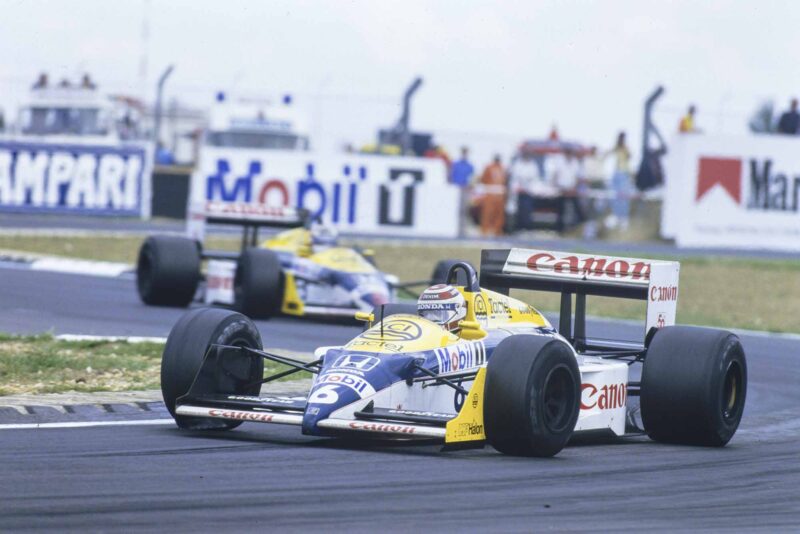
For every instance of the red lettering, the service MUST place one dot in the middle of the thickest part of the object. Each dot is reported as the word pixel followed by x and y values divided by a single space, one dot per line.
pixel 533 261
pixel 568 264
pixel 593 389
pixel 618 269
pixel 594 266
pixel 609 398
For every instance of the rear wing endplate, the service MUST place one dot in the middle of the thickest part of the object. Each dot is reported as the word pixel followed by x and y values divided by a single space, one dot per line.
pixel 585 274
pixel 250 217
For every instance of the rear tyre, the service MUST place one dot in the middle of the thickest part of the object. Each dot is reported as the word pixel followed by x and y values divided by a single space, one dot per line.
pixel 258 284
pixel 694 384
pixel 168 270
pixel 185 351
pixel 442 268
pixel 532 396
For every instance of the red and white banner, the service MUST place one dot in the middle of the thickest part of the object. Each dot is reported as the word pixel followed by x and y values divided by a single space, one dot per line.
pixel 733 192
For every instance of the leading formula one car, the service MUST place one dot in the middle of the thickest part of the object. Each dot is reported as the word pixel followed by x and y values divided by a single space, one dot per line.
pixel 299 271
pixel 506 377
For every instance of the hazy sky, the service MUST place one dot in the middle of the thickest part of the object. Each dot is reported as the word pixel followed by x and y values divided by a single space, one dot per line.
pixel 504 69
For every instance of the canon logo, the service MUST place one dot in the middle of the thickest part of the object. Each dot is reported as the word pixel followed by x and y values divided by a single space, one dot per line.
pixel 241 416
pixel 606 398
pixel 378 427
pixel 663 293
pixel 589 266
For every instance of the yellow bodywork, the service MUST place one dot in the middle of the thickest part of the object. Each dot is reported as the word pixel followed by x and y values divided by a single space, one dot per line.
pixel 468 424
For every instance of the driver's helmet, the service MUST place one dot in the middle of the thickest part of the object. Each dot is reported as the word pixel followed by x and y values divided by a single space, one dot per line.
pixel 443 304
pixel 323 237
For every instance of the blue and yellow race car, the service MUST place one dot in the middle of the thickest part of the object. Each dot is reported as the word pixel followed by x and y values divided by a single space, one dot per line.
pixel 299 271
pixel 471 365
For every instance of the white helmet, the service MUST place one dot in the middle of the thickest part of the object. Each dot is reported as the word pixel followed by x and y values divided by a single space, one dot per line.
pixel 443 304
pixel 323 237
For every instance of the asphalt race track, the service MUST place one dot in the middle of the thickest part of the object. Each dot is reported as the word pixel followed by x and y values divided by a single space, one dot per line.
pixel 154 477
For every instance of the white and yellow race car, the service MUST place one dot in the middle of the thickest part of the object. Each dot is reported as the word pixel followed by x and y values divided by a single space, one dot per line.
pixel 299 271
pixel 508 377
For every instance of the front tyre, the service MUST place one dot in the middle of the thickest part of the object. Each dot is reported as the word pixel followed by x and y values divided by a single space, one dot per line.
pixel 186 347
pixel 532 396
pixel 694 384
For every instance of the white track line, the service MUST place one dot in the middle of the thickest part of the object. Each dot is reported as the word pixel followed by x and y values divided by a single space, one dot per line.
pixel 85 424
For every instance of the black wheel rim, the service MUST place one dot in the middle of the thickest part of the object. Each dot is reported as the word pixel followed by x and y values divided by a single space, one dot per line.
pixel 558 399
pixel 732 392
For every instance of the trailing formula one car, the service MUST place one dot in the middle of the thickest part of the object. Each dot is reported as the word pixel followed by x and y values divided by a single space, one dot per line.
pixel 299 271
pixel 470 365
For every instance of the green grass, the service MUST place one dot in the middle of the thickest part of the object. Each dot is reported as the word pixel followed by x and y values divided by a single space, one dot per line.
pixel 726 292
pixel 43 364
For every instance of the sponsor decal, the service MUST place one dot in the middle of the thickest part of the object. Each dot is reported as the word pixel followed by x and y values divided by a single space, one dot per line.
pixel 358 362
pixel 663 293
pixel 382 428
pixel 241 416
pixel 770 189
pixel 398 330
pixel 460 357
pixel 661 322
pixel 480 309
pixel 589 266
pixel 475 399
pixel 367 344
pixel 499 308
pixel 219 282
pixel 468 429
pixel 608 397
pixel 357 384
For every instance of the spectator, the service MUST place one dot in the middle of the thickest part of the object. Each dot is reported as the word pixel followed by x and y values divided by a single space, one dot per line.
pixel 461 175
pixel 790 120
pixel 493 216
pixel 621 182
pixel 687 124
pixel 41 82
pixel 87 83
pixel 462 169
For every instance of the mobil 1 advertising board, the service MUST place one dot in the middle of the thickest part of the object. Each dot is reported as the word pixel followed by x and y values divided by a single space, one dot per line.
pixel 733 192
pixel 359 194
pixel 85 179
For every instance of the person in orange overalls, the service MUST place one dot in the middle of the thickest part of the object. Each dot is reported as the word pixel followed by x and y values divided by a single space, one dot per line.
pixel 493 215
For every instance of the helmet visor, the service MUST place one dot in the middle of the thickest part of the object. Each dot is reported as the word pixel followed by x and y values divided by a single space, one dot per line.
pixel 441 316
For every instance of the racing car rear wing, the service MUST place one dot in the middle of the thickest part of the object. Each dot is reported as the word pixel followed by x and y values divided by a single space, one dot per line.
pixel 582 275
pixel 250 217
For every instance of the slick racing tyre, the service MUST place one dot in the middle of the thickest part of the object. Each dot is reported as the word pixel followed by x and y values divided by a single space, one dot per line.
pixel 258 284
pixel 694 384
pixel 168 270
pixel 532 396
pixel 185 351
pixel 442 268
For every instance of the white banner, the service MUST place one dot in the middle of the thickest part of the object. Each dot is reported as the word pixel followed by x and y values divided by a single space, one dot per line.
pixel 356 193
pixel 73 178
pixel 733 192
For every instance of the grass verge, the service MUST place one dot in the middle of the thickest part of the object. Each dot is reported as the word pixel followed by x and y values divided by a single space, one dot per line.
pixel 714 291
pixel 43 364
